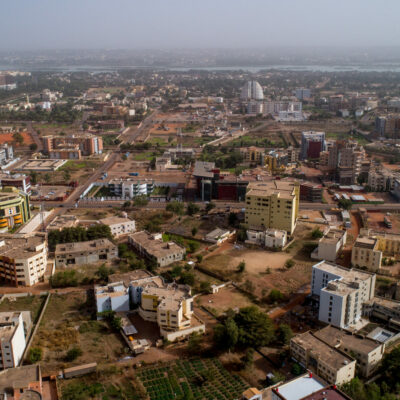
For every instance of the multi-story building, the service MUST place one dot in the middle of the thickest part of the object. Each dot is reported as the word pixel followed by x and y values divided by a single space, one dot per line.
pixel 270 238
pixel 112 297
pixel 80 253
pixel 6 153
pixel 119 226
pixel 293 154
pixel 381 180
pixel 331 364
pixel 12 339
pixel 253 154
pixel 14 208
pixel 311 192
pixel 23 258
pixel 273 204
pixel 73 146
pixel 312 144
pixel 302 93
pixel 341 293
pixel 19 181
pixel 330 245
pixel 366 351
pixel 386 310
pixel 21 383
pixel 130 188
pixel 7 82
pixel 155 249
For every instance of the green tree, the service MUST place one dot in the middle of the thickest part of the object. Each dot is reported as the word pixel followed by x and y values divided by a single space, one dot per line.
pixel 103 273
pixel 241 267
pixel 34 177
pixel 199 258
pixel 194 343
pixel 275 296
pixel 18 138
pixel 177 207
pixel 33 147
pixel 226 335
pixel 345 204
pixel 297 369
pixel 317 233
pixel 35 354
pixel 209 206
pixel 73 354
pixel 192 209
pixel 205 287
pixel 140 201
pixel 187 278
pixel 289 263
pixel 283 334
pixel 194 231
pixel 47 178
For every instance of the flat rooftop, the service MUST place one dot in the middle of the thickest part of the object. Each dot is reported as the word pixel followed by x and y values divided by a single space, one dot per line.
pixel 20 377
pixel 319 349
pixel 333 236
pixel 204 169
pixel 41 165
pixel 366 242
pixel 330 393
pixel 352 274
pixel 97 244
pixel 62 221
pixel 387 303
pixel 285 189
pixel 130 276
pixel 22 247
pixel 114 220
pixel 338 338
pixel 300 387
pixel 170 296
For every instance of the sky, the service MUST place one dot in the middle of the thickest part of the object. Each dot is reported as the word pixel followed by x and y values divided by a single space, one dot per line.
pixel 158 24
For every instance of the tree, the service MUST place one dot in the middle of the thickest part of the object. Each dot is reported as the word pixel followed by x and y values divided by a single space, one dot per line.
pixel 255 327
pixel 66 176
pixel 18 138
pixel 232 218
pixel 249 357
pixel 296 369
pixel 140 201
pixel 192 209
pixel 33 147
pixel 283 334
pixel 275 295
pixel 126 204
pixel 199 258
pixel 391 368
pixel 205 287
pixel 226 335
pixel 103 273
pixel 34 177
pixel 194 231
pixel 187 278
pixel 194 343
pixel 289 263
pixel 73 354
pixel 346 204
pixel 35 354
pixel 317 233
pixel 209 206
pixel 177 207
pixel 241 267
pixel 47 178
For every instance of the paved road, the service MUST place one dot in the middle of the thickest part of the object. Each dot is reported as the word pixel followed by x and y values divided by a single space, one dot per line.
pixel 34 135
pixel 132 135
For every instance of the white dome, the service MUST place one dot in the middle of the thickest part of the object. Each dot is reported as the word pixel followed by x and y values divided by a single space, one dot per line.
pixel 252 90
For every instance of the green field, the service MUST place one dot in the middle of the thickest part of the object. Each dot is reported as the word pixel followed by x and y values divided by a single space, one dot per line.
pixel 338 136
pixel 194 379
pixel 144 156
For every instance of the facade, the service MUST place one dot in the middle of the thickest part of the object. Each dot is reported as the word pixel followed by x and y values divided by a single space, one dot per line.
pixel 386 310
pixel 89 252
pixel 366 254
pixel 310 192
pixel 130 188
pixel 331 364
pixel 270 238
pixel 73 145
pixel 6 153
pixel 19 181
pixel 12 339
pixel 341 293
pixel 253 154
pixel 312 144
pixel 155 249
pixel 273 204
pixel 7 82
pixel 381 180
pixel 367 352
pixel 112 297
pixel 14 208
pixel 22 383
pixel 330 245
pixel 302 93
pixel 252 90
pixel 119 226
pixel 23 258
pixel 218 235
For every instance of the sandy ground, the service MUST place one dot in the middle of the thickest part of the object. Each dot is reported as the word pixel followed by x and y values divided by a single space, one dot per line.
pixel 8 138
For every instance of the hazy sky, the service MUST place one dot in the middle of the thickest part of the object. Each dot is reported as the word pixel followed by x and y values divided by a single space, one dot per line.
pixel 53 24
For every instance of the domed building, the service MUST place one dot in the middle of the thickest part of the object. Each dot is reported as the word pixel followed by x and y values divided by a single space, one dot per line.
pixel 252 90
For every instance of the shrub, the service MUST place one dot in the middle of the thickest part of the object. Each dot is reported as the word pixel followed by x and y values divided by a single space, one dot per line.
pixel 73 354
pixel 35 354
pixel 289 264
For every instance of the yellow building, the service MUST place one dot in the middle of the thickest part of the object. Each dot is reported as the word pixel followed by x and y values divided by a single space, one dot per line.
pixel 252 154
pixel 14 208
pixel 273 204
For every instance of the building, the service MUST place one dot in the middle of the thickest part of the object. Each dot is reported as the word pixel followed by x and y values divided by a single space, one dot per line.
pixel 270 238
pixel 311 192
pixel 273 204
pixel 366 254
pixel 341 293
pixel 252 394
pixel 302 93
pixel 218 235
pixel 6 153
pixel 112 297
pixel 381 180
pixel 366 351
pixel 119 226
pixel 22 383
pixel 7 82
pixel 23 258
pixel 155 249
pixel 14 208
pixel 130 188
pixel 386 310
pixel 72 146
pixel 80 253
pixel 19 181
pixel 312 144
pixel 331 364
pixel 330 245
pixel 61 222
pixel 252 154
pixel 12 339
pixel 252 90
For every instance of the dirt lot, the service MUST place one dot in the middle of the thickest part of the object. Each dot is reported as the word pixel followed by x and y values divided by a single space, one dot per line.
pixel 27 303
pixel 375 222
pixel 8 138
pixel 44 192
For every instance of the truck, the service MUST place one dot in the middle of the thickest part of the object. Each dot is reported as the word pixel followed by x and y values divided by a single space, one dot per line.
pixel 133 173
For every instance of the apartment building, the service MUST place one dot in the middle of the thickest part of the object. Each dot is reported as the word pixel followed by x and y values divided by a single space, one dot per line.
pixel 366 254
pixel 155 249
pixel 119 226
pixel 367 352
pixel 80 253
pixel 384 309
pixel 270 238
pixel 6 153
pixel 381 180
pixel 312 144
pixel 273 204
pixel 19 181
pixel 330 245
pixel 252 154
pixel 22 383
pixel 14 208
pixel 72 146
pixel 311 192
pixel 12 339
pixel 130 188
pixel 341 293
pixel 23 258
pixel 331 364
pixel 112 297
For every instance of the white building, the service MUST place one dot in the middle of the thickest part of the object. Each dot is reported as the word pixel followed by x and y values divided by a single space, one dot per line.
pixel 341 293
pixel 130 188
pixel 112 297
pixel 270 238
pixel 12 339
pixel 330 245
pixel 23 258
pixel 218 235
pixel 119 226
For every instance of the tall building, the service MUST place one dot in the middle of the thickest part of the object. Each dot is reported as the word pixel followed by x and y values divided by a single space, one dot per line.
pixel 19 181
pixel 312 144
pixel 14 208
pixel 6 153
pixel 302 93
pixel 23 258
pixel 7 82
pixel 252 90
pixel 273 204
pixel 341 293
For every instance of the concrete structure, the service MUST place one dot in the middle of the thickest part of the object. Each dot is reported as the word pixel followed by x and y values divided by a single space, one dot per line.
pixel 367 352
pixel 112 297
pixel 22 383
pixel 302 93
pixel 72 146
pixel 310 192
pixel 252 90
pixel 218 235
pixel 270 238
pixel 331 364
pixel 19 181
pixel 12 339
pixel 89 252
pixel 130 188
pixel 330 245
pixel 23 258
pixel 45 165
pixel 365 253
pixel 252 394
pixel 381 180
pixel 253 154
pixel 7 82
pixel 273 204
pixel 62 221
pixel 119 226
pixel 6 153
pixel 14 208
pixel 312 144
pixel 155 249
pixel 341 293
pixel 384 309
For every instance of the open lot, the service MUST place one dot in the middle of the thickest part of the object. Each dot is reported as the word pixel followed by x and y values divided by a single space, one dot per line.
pixel 48 192
pixel 55 128
pixel 26 303
pixel 375 222
pixel 8 138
